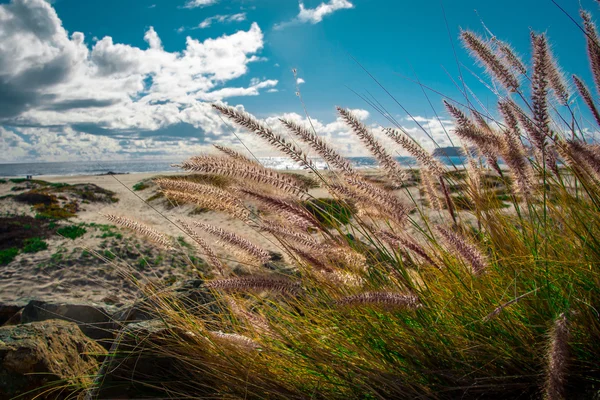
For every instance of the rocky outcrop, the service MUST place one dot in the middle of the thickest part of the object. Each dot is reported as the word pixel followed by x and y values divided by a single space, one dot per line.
pixel 95 321
pixel 8 311
pixel 138 367
pixel 51 339
pixel 188 295
pixel 50 359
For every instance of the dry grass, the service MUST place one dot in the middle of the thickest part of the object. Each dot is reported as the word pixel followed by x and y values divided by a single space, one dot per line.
pixel 399 301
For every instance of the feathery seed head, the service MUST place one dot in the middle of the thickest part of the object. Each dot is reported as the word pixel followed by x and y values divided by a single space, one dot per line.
pixel 466 250
pixel 487 143
pixel 395 240
pixel 251 283
pixel 539 87
pixel 138 227
pixel 386 300
pixel 557 360
pixel 253 125
pixel 234 154
pixel 253 172
pixel 415 150
pixel 510 56
pixel 593 46
pixel 387 162
pixel 388 203
pixel 587 97
pixel 290 209
pixel 482 51
pixel 319 145
pixel 235 339
pixel 205 196
pixel 211 256
pixel 237 242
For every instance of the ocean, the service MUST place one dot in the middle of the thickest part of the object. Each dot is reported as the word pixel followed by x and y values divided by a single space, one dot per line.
pixel 124 167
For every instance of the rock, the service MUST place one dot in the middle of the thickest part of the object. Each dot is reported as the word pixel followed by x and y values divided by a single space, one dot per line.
pixel 188 295
pixel 8 311
pixel 34 356
pixel 95 321
pixel 15 319
pixel 138 366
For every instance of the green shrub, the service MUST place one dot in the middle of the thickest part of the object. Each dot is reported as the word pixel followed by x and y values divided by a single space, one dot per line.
pixel 55 211
pixel 109 255
pixel 140 186
pixel 33 245
pixel 35 198
pixel 72 231
pixel 330 212
pixel 182 242
pixel 155 196
pixel 7 255
pixel 142 264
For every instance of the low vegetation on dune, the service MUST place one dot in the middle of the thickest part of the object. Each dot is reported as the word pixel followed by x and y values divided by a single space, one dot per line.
pixel 57 201
pixel 487 288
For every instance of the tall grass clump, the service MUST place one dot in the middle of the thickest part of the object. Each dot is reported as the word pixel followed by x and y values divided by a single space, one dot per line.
pixel 397 299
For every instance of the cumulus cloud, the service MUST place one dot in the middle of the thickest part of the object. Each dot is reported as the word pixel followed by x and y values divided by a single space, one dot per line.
pixel 62 99
pixel 200 3
pixel 316 15
pixel 252 90
pixel 239 17
pixel 50 78
pixel 151 37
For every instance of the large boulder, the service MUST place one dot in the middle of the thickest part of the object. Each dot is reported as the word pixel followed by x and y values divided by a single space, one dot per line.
pixel 50 359
pixel 187 295
pixel 137 367
pixel 9 310
pixel 140 361
pixel 94 320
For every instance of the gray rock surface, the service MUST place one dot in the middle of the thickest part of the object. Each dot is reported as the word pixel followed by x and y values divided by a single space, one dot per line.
pixel 95 321
pixel 8 310
pixel 51 359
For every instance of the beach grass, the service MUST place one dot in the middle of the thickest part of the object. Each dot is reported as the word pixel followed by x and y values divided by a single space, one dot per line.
pixel 483 283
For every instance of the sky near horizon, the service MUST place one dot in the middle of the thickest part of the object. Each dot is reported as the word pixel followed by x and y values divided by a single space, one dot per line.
pixel 130 79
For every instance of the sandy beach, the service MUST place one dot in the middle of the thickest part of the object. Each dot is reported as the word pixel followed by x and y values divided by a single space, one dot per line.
pixel 95 278
pixel 100 276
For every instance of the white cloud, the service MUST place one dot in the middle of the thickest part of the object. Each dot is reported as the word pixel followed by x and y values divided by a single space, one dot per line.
pixel 316 15
pixel 222 19
pixel 200 3
pixel 50 78
pixel 47 77
pixel 151 37
pixel 253 90
pixel 61 99
pixel 64 143
pixel 300 81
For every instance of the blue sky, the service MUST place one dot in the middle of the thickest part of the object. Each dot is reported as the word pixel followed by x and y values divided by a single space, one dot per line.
pixel 117 79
